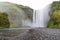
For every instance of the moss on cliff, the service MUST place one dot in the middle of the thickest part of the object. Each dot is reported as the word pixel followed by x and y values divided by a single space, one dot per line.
pixel 4 21
pixel 54 21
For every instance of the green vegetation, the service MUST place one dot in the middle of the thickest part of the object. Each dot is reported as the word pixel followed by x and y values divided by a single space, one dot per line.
pixel 54 21
pixel 21 6
pixel 4 21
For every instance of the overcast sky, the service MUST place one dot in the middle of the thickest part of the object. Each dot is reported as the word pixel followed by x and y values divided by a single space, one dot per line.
pixel 35 4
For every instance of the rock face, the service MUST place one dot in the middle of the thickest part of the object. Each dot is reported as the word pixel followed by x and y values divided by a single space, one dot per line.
pixel 28 11
pixel 18 16
pixel 38 34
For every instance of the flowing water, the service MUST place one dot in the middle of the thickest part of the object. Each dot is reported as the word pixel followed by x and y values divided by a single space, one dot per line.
pixel 41 17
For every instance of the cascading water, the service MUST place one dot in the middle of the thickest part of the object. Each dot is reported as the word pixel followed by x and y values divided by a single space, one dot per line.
pixel 35 19
pixel 41 17
pixel 46 16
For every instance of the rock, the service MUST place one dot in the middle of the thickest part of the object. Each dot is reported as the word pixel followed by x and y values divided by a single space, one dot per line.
pixel 39 34
pixel 28 11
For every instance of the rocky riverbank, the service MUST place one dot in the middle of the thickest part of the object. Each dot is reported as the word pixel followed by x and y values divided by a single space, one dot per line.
pixel 37 34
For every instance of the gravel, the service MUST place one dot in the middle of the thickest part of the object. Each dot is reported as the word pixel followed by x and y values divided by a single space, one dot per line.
pixel 37 34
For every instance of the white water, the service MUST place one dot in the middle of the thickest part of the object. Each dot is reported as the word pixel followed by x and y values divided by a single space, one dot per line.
pixel 34 19
pixel 41 17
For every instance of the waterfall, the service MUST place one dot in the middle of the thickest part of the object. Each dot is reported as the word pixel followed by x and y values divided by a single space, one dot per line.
pixel 35 19
pixel 38 18
pixel 41 17
pixel 34 16
pixel 46 15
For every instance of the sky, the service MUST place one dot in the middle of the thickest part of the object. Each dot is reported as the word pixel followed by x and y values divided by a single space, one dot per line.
pixel 35 4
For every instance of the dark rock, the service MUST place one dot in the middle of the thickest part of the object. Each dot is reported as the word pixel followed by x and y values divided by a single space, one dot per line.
pixel 39 34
